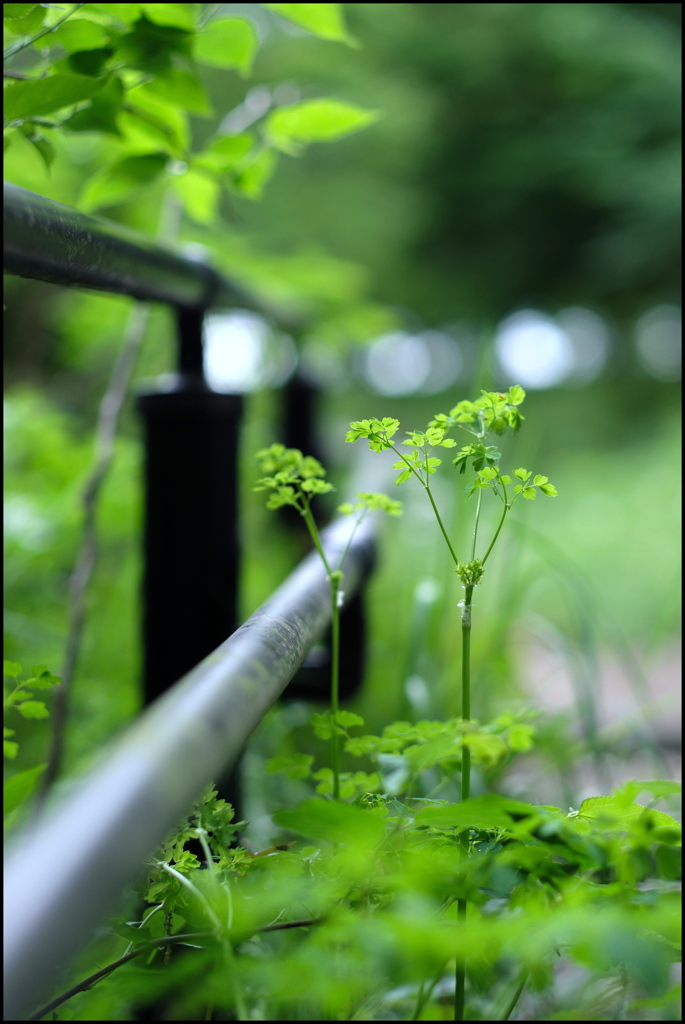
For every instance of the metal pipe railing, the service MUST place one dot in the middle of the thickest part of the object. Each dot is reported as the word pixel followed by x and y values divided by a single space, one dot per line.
pixel 64 874
pixel 48 241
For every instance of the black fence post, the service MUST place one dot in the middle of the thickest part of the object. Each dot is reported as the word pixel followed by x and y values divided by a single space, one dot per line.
pixel 191 542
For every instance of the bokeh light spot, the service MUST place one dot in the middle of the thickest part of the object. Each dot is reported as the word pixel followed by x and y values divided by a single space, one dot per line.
pixel 242 353
pixel 658 342
pixel 533 350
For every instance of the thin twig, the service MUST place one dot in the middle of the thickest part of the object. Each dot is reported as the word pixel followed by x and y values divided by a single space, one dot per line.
pixel 22 44
pixel 108 419
pixel 93 979
pixel 281 925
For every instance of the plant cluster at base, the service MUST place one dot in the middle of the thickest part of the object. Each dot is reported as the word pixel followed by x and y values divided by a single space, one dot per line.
pixel 403 896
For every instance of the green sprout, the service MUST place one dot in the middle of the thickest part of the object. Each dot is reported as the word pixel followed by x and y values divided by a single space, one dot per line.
pixel 492 413
pixel 294 479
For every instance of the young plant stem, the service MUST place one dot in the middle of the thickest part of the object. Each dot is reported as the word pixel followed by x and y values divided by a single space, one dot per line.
pixel 475 525
pixel 460 975
pixel 335 657
pixel 440 524
pixel 425 484
pixel 499 527
pixel 517 994
pixel 335 649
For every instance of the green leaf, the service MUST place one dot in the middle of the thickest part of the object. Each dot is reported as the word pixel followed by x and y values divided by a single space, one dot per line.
pixel 658 788
pixel 490 811
pixel 322 725
pixel 43 680
pixel 176 15
pixel 251 181
pixel 20 786
pixel 520 737
pixel 609 810
pixel 227 43
pixel 529 493
pixel 200 196
pixel 669 862
pixel 295 766
pixel 122 179
pixel 130 931
pixel 33 709
pixel 334 821
pixel 160 119
pixel 101 114
pixel 224 153
pixel 11 749
pixel 539 480
pixel 378 502
pixel 521 473
pixel 404 475
pixel 322 20
pixel 25 23
pixel 44 148
pixel 347 719
pixel 126 13
pixel 516 394
pixel 314 486
pixel 549 489
pixel 90 62
pixel 24 100
pixel 323 120
pixel 490 750
pixel 183 89
pixel 17 695
pixel 78 34
pixel 18 10
pixel 11 668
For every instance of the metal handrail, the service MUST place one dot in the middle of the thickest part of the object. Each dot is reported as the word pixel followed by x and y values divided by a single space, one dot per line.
pixel 97 835
pixel 49 241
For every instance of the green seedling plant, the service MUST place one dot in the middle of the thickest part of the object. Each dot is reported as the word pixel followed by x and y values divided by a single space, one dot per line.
pixel 382 895
pixel 294 479
pixel 492 413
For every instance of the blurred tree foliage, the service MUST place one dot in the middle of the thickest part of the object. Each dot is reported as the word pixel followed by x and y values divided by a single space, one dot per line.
pixel 528 153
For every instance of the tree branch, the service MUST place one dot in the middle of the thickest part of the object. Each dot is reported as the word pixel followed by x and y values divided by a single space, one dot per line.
pixel 108 419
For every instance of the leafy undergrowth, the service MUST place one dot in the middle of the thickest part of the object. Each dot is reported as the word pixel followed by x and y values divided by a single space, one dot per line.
pixel 352 913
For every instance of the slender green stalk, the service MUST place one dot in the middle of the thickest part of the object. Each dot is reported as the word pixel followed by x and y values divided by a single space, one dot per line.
pixel 517 994
pixel 425 484
pixel 335 668
pixel 440 524
pixel 314 534
pixel 424 995
pixel 334 582
pixel 460 976
pixel 475 525
pixel 507 506
pixel 466 687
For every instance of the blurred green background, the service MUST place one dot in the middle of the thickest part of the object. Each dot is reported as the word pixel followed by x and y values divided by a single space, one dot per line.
pixel 513 217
